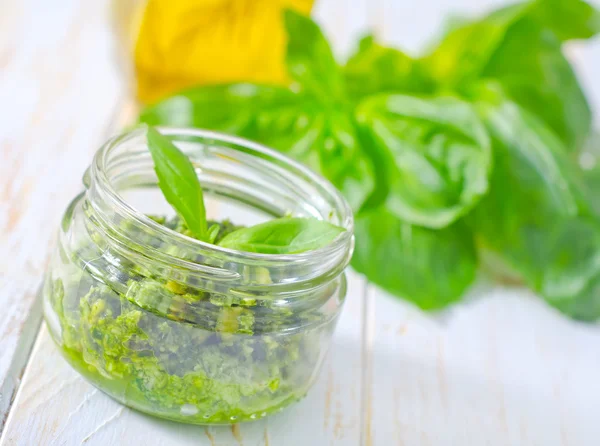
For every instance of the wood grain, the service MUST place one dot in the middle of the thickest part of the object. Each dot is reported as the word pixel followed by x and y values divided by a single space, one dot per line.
pixel 502 368
pixel 59 90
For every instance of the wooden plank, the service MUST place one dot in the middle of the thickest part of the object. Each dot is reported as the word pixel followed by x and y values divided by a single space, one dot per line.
pixel 17 332
pixel 501 369
pixel 58 92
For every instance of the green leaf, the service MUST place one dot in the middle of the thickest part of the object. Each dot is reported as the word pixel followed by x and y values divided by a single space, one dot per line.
pixel 427 267
pixel 323 139
pixel 527 153
pixel 327 141
pixel 520 47
pixel 212 233
pixel 534 215
pixel 568 19
pixel 436 156
pixel 274 116
pixel 469 45
pixel 343 159
pixel 464 52
pixel 591 179
pixel 376 69
pixel 573 259
pixel 283 236
pixel 178 182
pixel 585 306
pixel 534 73
pixel 529 183
pixel 309 58
pixel 589 160
pixel 232 108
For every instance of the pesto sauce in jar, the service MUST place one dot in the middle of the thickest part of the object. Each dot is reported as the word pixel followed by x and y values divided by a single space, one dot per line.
pixel 231 365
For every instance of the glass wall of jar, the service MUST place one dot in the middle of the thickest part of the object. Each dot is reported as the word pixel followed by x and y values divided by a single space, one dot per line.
pixel 179 328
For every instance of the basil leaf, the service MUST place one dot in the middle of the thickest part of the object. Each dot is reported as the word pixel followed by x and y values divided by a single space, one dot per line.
pixel 232 108
pixel 310 60
pixel 343 159
pixel 591 179
pixel 530 164
pixel 427 267
pixel 178 182
pixel 589 160
pixel 520 47
pixel 212 233
pixel 535 216
pixel 283 236
pixel 436 156
pixel 274 116
pixel 568 19
pixel 464 52
pixel 375 69
pixel 585 306
pixel 534 73
pixel 325 140
pixel 573 258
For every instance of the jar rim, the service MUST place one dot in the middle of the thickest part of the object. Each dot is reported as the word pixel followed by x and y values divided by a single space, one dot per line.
pixel 332 249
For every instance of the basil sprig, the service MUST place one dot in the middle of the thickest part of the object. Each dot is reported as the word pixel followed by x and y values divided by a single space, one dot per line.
pixel 178 182
pixel 283 236
pixel 181 187
pixel 465 153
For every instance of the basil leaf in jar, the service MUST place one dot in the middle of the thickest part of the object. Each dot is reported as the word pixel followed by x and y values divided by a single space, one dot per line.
pixel 283 236
pixel 178 182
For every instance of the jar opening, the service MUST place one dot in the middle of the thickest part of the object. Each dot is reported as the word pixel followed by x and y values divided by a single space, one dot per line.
pixel 229 168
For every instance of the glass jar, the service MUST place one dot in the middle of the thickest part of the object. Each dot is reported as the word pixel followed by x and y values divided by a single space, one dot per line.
pixel 179 328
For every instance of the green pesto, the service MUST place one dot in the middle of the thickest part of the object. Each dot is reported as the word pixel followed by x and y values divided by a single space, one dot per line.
pixel 234 363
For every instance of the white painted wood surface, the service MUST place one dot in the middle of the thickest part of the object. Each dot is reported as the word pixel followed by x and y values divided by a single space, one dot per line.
pixel 499 369
pixel 58 93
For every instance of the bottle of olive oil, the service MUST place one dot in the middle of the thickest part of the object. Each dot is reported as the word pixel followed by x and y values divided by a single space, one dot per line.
pixel 171 45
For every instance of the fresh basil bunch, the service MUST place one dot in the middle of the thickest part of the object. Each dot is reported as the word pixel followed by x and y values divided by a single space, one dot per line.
pixel 464 154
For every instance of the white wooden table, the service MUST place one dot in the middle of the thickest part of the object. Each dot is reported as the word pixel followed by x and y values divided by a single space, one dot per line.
pixel 499 369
